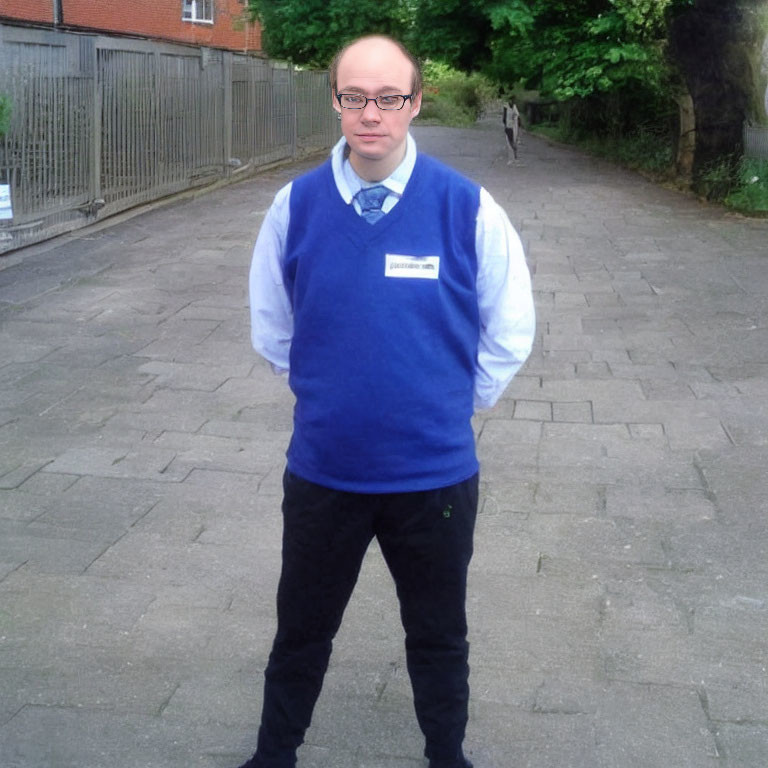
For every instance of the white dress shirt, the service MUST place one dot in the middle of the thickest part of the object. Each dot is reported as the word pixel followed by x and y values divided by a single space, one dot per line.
pixel 505 302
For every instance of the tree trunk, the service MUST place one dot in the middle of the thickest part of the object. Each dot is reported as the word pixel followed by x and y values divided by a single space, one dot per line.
pixel 686 141
pixel 711 43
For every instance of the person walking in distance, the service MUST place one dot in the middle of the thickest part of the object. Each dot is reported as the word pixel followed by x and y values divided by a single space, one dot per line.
pixel 394 293
pixel 511 119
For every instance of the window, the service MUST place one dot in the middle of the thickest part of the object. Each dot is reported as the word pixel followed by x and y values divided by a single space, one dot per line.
pixel 197 10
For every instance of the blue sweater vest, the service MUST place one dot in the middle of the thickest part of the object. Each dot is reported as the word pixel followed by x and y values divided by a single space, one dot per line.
pixel 384 349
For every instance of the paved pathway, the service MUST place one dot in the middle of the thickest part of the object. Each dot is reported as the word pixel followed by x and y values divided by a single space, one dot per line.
pixel 619 607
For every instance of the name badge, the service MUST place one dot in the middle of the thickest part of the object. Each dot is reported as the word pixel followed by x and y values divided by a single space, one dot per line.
pixel 412 266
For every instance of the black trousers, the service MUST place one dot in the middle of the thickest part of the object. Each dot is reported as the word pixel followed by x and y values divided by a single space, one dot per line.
pixel 426 539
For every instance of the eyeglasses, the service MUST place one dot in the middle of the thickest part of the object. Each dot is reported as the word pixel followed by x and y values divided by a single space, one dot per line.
pixel 358 101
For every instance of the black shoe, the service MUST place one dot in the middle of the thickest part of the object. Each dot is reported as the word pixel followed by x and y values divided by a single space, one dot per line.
pixel 462 762
pixel 252 763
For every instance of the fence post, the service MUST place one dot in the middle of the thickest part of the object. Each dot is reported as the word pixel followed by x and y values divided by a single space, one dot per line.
pixel 162 170
pixel 94 180
pixel 226 78
pixel 292 79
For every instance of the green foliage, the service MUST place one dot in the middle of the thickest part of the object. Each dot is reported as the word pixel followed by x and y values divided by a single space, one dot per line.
pixel 719 178
pixel 648 150
pixel 516 16
pixel 583 47
pixel 452 97
pixel 309 32
pixel 607 62
pixel 645 148
pixel 739 182
pixel 455 31
pixel 564 48
pixel 750 188
pixel 5 114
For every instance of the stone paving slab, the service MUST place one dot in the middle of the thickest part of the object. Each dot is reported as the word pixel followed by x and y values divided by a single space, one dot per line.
pixel 618 604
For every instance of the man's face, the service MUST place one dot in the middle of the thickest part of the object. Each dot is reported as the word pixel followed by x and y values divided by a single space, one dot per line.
pixel 376 138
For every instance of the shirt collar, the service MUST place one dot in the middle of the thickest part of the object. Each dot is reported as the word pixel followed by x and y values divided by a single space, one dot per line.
pixel 349 183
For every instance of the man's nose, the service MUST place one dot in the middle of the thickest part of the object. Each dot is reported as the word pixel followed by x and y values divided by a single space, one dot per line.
pixel 371 111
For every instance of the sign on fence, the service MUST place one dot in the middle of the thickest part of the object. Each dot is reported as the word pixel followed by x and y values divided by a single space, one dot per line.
pixel 6 209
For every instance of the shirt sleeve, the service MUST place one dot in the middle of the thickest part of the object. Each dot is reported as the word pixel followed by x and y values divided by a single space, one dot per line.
pixel 271 311
pixel 505 300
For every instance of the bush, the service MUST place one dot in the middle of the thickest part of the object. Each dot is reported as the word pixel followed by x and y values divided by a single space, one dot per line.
pixel 453 98
pixel 718 179
pixel 740 183
pixel 750 190
pixel 636 130
pixel 646 148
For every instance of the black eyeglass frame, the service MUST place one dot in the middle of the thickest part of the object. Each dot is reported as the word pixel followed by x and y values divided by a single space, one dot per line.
pixel 375 99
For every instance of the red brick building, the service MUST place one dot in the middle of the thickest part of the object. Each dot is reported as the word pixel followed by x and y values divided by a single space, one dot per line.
pixel 27 10
pixel 214 23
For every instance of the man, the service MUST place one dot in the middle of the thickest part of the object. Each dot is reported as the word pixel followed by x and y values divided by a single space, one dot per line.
pixel 393 317
pixel 511 119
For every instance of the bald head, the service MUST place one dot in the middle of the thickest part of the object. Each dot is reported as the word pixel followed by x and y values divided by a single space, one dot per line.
pixel 386 50
pixel 373 67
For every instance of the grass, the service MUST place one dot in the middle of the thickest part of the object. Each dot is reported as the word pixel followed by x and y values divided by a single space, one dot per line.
pixel 741 183
pixel 750 190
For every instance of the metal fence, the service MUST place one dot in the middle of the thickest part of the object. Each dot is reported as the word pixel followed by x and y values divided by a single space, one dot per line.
pixel 756 141
pixel 100 124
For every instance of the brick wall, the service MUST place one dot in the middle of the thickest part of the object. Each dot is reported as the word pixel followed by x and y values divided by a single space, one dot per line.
pixel 27 10
pixel 148 18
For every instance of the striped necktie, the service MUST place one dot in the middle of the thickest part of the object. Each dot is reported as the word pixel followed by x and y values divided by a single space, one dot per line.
pixel 371 199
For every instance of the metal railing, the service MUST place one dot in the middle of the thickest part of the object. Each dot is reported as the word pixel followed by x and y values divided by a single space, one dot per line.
pixel 756 141
pixel 100 124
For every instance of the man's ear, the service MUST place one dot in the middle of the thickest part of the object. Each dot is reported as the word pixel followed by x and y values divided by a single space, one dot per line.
pixel 335 101
pixel 415 104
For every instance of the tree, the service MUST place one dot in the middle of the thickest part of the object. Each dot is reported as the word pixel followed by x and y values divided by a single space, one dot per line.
pixel 606 58
pixel 713 43
pixel 457 32
pixel 567 47
pixel 309 32
pixel 617 66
